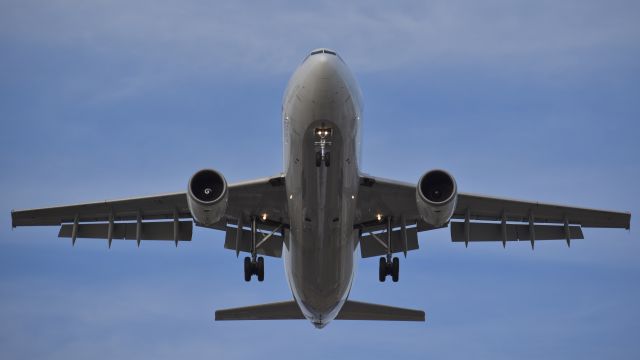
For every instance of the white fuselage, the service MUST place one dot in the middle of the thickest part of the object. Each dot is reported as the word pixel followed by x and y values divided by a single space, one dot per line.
pixel 319 249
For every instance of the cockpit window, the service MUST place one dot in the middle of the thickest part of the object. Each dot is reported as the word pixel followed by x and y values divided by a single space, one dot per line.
pixel 322 51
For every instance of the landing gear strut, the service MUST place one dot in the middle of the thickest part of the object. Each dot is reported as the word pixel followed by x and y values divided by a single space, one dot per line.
pixel 389 265
pixel 323 156
pixel 253 265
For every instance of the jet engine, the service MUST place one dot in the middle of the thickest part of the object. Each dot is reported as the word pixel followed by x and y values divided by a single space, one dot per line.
pixel 207 196
pixel 436 197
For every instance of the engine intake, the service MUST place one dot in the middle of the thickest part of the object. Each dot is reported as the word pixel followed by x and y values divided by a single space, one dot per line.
pixel 207 196
pixel 436 197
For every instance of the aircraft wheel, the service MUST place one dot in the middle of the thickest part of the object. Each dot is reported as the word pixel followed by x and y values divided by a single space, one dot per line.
pixel 318 159
pixel 247 269
pixel 260 269
pixel 382 271
pixel 327 159
pixel 395 269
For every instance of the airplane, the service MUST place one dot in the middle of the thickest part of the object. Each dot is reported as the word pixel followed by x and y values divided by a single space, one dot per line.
pixel 322 212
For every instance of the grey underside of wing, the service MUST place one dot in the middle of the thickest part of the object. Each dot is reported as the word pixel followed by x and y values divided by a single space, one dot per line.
pixel 398 200
pixel 113 218
pixel 387 197
pixel 260 196
pixel 490 208
pixel 289 310
pixel 266 194
pixel 154 207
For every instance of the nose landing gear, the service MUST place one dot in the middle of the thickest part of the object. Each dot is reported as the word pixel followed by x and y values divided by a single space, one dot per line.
pixel 323 156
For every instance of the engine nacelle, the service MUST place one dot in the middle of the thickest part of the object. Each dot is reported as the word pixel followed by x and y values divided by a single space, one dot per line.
pixel 207 196
pixel 436 197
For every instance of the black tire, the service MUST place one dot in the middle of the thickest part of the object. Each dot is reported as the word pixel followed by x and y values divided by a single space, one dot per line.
pixel 318 159
pixel 395 269
pixel 327 159
pixel 260 269
pixel 247 269
pixel 382 271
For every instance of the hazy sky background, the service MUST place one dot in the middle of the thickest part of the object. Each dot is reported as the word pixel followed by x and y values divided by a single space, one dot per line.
pixel 537 100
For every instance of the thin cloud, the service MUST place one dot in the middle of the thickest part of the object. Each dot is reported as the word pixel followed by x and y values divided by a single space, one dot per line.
pixel 185 37
pixel 127 48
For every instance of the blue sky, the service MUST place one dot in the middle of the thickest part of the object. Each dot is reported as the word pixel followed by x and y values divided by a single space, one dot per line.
pixel 533 100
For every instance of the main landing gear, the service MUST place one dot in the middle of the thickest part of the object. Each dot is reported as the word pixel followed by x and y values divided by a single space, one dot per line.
pixel 323 156
pixel 253 265
pixel 389 265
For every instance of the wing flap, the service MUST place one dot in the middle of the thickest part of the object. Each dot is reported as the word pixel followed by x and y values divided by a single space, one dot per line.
pixel 128 231
pixel 514 232
pixel 371 246
pixel 272 246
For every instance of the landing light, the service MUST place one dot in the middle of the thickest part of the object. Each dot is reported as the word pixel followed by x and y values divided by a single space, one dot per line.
pixel 379 217
pixel 323 132
pixel 263 216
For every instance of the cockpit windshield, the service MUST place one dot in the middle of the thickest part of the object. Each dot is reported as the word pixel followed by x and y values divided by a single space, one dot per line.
pixel 323 51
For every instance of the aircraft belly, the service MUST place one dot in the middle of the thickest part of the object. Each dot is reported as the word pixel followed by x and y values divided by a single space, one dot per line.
pixel 320 250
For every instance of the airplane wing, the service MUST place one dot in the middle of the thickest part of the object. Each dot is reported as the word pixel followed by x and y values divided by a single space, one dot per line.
pixel 141 218
pixel 475 218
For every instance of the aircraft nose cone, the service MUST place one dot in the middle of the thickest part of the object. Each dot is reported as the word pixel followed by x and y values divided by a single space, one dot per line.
pixel 324 79
pixel 319 324
pixel 325 67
